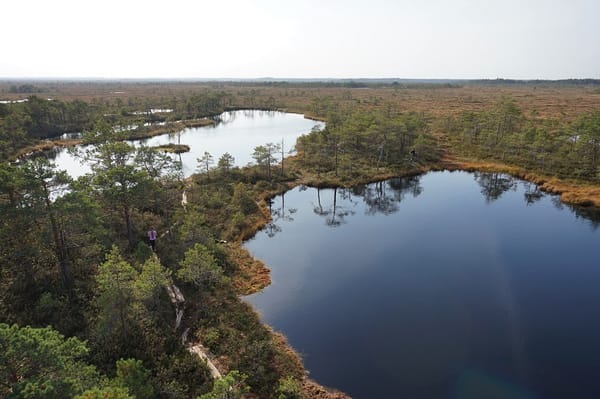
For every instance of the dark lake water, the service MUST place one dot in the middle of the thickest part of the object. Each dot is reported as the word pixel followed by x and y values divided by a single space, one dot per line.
pixel 447 285
pixel 236 132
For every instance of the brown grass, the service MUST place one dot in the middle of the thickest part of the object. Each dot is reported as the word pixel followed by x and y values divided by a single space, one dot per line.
pixel 45 146
pixel 283 345
pixel 541 101
pixel 198 122
pixel 312 390
pixel 570 191
pixel 252 275
pixel 173 148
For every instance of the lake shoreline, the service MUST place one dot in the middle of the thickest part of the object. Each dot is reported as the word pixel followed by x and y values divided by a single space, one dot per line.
pixel 257 273
pixel 153 131
pixel 571 193
pixel 49 144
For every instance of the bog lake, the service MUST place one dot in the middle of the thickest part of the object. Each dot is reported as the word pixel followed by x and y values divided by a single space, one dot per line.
pixel 235 132
pixel 446 285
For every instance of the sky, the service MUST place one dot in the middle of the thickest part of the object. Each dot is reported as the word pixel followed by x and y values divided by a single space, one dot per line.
pixel 419 39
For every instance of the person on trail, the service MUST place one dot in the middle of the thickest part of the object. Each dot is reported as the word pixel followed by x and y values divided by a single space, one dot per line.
pixel 152 238
pixel 413 153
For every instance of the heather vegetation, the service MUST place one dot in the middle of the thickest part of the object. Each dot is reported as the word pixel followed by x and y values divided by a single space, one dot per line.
pixel 83 299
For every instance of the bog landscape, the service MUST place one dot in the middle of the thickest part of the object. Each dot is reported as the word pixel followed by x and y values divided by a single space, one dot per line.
pixel 434 235
pixel 386 269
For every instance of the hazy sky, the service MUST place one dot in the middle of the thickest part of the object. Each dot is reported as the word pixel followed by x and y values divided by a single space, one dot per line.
pixel 548 39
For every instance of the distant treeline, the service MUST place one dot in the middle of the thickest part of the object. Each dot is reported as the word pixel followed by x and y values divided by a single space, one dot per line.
pixel 27 88
pixel 539 82
pixel 33 86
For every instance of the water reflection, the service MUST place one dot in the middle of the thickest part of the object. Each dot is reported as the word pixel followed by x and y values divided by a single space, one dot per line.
pixel 337 205
pixel 493 185
pixel 278 214
pixel 236 132
pixel 335 213
pixel 230 116
pixel 384 196
pixel 532 193
pixel 446 285
pixel 591 214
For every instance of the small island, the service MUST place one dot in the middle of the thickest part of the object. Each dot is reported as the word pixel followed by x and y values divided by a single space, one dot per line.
pixel 172 148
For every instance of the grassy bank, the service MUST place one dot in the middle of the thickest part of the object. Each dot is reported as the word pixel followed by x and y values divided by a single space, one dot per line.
pixel 571 192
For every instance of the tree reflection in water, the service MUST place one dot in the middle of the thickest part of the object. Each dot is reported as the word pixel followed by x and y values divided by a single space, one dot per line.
pixel 384 197
pixel 279 214
pixel 493 185
pixel 335 213
pixel 381 198
pixel 532 193
pixel 591 214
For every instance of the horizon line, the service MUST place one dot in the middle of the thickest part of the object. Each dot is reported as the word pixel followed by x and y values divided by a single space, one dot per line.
pixel 283 79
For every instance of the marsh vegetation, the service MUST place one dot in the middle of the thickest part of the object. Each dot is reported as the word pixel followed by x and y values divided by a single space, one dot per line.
pixel 75 255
